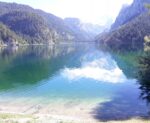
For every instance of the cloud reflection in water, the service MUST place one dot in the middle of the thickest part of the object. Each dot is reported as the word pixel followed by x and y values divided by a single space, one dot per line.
pixel 103 69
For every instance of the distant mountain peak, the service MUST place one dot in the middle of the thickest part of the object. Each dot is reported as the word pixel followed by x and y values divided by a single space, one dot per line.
pixel 129 12
pixel 87 31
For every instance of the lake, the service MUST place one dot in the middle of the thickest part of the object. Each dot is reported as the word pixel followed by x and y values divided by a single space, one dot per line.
pixel 78 81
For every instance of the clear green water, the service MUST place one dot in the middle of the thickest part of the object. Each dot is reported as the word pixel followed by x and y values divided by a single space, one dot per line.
pixel 73 72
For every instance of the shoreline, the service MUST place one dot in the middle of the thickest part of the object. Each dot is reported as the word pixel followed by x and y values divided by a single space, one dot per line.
pixel 71 42
pixel 6 117
pixel 53 113
pixel 20 45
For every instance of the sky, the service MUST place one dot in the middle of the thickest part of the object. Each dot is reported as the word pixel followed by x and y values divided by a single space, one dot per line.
pixel 92 11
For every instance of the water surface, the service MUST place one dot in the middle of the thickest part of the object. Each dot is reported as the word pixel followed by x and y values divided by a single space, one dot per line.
pixel 59 79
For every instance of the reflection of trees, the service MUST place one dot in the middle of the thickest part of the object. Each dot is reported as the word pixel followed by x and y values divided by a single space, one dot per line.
pixel 136 65
pixel 127 62
pixel 32 64
pixel 144 76
pixel 127 105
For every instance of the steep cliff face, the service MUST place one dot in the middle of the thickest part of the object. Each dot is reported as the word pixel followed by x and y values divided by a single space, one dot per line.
pixel 130 28
pixel 130 12
pixel 130 36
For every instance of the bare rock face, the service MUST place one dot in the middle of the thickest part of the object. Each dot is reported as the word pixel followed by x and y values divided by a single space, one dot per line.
pixel 130 12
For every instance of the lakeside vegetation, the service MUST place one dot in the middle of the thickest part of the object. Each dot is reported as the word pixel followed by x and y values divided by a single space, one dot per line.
pixel 130 28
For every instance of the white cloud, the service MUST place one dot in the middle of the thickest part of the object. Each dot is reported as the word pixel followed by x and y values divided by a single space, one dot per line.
pixel 102 70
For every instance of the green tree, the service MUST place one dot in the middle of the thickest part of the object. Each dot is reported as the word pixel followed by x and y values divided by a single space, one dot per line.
pixel 147 6
pixel 144 76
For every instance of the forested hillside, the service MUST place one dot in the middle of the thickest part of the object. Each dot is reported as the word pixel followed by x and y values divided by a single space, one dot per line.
pixel 9 37
pixel 38 27
pixel 129 12
pixel 29 26
pixel 130 34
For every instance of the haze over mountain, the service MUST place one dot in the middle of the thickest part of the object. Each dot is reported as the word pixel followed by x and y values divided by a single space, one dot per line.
pixel 128 13
pixel 129 29
pixel 35 26
pixel 88 11
pixel 85 31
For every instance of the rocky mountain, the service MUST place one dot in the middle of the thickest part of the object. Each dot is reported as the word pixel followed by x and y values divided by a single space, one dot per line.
pixel 85 31
pixel 58 30
pixel 128 13
pixel 34 26
pixel 9 37
pixel 129 36
pixel 59 25
pixel 129 33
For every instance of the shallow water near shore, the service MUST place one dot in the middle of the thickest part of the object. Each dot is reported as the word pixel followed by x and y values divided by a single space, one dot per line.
pixel 79 81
